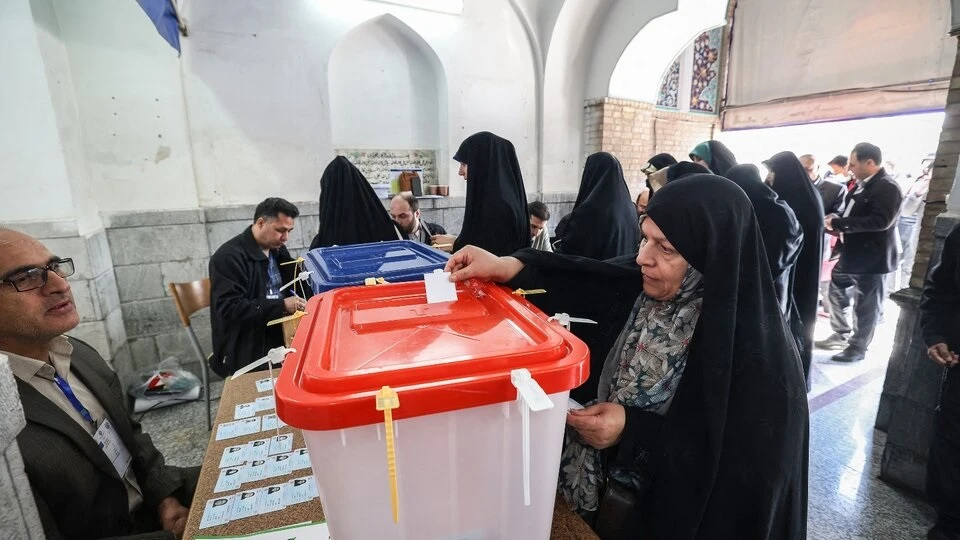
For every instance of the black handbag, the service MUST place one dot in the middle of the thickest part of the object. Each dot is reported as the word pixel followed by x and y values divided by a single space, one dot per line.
pixel 618 509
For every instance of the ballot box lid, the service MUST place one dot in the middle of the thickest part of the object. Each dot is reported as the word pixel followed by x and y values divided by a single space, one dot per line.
pixel 437 357
pixel 396 260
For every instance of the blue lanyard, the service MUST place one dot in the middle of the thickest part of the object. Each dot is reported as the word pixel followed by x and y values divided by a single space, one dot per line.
pixel 64 387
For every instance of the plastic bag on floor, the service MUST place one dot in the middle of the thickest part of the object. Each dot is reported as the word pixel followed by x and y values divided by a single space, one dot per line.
pixel 167 384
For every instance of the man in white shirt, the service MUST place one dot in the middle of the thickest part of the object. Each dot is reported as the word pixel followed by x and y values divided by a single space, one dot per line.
pixel 93 473
pixel 539 216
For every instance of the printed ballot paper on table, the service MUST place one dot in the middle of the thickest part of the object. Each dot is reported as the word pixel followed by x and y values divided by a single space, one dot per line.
pixel 439 287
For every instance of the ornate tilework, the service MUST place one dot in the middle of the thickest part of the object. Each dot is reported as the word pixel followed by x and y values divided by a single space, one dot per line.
pixel 706 68
pixel 669 96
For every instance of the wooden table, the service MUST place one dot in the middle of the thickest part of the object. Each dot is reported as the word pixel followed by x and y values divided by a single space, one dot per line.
pixel 566 524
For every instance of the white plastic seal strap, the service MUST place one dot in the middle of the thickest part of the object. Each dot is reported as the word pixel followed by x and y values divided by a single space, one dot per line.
pixel 274 356
pixel 302 276
pixel 565 320
pixel 531 398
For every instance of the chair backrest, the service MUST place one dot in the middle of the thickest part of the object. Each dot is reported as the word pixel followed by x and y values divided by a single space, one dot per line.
pixel 190 297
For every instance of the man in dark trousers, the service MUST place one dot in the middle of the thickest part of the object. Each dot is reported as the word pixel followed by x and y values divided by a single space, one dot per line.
pixel 868 251
pixel 940 323
pixel 832 195
pixel 93 473
pixel 246 275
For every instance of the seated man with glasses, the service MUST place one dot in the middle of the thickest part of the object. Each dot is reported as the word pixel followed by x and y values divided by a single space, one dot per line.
pixel 92 471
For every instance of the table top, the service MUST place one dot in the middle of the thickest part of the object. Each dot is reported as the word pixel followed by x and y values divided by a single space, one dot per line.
pixel 566 524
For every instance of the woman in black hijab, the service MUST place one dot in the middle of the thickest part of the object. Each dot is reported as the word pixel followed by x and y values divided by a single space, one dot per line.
pixel 782 236
pixel 725 454
pixel 603 223
pixel 674 172
pixel 350 212
pixel 791 182
pixel 657 163
pixel 715 155
pixel 495 218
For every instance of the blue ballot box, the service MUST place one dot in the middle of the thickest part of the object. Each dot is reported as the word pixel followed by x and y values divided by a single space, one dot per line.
pixel 394 261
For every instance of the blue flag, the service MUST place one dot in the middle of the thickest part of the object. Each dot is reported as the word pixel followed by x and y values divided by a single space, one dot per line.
pixel 165 19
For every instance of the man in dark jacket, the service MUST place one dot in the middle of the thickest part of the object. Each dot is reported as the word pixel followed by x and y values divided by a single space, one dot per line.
pixel 868 251
pixel 405 212
pixel 246 275
pixel 92 471
pixel 940 323
pixel 831 193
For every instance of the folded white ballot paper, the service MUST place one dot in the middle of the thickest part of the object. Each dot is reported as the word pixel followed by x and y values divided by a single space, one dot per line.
pixel 439 287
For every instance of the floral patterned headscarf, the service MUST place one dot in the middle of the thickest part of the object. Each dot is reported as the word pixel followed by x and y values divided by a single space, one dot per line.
pixel 642 370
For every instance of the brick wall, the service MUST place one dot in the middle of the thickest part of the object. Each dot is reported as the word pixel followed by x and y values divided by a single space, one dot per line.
pixel 912 384
pixel 635 131
pixel 944 172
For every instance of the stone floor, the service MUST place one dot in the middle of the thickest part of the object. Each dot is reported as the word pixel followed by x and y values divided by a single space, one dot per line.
pixel 846 499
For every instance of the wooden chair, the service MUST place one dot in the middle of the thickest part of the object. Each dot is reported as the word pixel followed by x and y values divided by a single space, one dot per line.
pixel 189 298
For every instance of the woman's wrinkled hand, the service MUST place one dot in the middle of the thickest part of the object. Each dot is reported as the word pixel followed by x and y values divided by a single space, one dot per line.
pixel 599 425
pixel 472 262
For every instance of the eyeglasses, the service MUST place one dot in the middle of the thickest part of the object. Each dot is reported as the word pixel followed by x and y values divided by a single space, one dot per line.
pixel 34 278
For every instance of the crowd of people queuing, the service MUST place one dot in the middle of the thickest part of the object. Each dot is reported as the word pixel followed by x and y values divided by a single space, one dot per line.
pixel 705 288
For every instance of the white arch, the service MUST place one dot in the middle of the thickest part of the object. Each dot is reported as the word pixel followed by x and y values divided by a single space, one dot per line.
pixel 625 20
pixel 565 71
pixel 640 68
pixel 387 89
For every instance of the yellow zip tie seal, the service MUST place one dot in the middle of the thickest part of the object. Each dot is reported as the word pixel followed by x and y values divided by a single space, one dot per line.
pixel 291 317
pixel 387 400
pixel 374 281
pixel 524 292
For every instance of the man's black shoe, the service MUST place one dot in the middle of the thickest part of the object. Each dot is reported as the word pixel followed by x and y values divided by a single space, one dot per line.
pixel 850 354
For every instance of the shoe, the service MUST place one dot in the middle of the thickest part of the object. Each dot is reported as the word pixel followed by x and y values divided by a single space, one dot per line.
pixel 939 533
pixel 835 342
pixel 849 354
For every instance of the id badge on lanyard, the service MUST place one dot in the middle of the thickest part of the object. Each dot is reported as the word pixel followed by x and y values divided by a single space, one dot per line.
pixel 106 436
pixel 109 441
